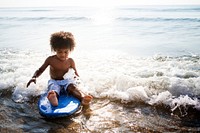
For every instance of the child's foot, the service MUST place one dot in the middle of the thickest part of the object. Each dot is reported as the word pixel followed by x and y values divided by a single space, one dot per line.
pixel 52 97
pixel 86 100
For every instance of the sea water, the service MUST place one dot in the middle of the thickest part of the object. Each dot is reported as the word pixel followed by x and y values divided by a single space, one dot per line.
pixel 140 63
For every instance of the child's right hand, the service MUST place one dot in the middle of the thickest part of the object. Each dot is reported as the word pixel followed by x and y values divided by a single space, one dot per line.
pixel 30 81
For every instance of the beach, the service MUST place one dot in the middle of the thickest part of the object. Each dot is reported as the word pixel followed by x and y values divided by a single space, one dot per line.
pixel 140 63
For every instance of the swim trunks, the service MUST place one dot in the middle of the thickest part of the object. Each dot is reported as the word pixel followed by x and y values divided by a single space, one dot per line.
pixel 58 85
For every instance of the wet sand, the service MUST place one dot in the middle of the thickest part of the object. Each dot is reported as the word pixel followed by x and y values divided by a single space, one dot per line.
pixel 103 115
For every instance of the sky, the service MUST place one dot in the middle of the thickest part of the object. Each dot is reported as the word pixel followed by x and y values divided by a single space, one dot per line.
pixel 44 3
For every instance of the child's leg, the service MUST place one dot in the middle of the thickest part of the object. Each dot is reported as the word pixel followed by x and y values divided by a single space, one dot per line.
pixel 85 100
pixel 54 91
pixel 52 97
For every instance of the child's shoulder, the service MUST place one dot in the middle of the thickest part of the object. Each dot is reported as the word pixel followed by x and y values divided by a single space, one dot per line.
pixel 70 60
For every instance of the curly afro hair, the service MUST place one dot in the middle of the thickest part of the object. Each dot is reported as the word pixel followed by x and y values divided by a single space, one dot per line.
pixel 61 40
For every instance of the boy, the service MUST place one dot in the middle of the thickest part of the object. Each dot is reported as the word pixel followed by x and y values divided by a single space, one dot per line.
pixel 62 43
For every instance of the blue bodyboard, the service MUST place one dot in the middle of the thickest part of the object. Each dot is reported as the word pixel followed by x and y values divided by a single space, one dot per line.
pixel 67 105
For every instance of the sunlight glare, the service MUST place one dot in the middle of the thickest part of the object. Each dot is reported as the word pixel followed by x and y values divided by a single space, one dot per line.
pixel 103 16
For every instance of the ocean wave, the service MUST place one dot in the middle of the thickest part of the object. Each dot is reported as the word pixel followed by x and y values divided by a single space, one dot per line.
pixel 144 19
pixel 157 80
pixel 43 18
pixel 159 19
pixel 163 8
pixel 8 10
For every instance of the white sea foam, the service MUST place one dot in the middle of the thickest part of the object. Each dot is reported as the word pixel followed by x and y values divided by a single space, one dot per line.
pixel 170 81
pixel 151 80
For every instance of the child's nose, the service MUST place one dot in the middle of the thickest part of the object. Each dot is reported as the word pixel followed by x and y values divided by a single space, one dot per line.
pixel 64 54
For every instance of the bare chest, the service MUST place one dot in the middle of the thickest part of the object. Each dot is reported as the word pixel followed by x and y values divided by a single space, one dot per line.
pixel 58 66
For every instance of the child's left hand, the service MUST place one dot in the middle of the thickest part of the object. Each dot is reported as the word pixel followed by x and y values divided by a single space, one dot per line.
pixel 30 81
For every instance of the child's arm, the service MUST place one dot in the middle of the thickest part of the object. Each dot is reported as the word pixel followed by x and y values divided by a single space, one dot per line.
pixel 38 72
pixel 73 66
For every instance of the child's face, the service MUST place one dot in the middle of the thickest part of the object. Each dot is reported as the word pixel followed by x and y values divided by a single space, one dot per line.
pixel 62 54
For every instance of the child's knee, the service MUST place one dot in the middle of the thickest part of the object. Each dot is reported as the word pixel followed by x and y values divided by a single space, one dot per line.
pixel 71 88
